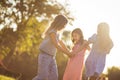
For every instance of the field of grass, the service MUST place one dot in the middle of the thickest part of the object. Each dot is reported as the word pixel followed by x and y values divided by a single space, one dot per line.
pixel 5 78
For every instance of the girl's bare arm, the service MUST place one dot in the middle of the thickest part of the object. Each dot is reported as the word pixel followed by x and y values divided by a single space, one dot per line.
pixel 64 46
pixel 58 45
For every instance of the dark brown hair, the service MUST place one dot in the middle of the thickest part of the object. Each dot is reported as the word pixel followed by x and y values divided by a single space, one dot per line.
pixel 79 32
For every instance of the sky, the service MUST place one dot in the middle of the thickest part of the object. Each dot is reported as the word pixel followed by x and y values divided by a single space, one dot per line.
pixel 89 13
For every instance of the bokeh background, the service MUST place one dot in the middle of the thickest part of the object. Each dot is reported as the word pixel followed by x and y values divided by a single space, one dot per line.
pixel 22 23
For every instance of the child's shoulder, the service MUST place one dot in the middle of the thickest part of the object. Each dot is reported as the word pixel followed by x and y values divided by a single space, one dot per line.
pixel 92 38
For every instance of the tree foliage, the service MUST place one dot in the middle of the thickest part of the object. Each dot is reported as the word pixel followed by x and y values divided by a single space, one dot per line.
pixel 24 21
pixel 114 73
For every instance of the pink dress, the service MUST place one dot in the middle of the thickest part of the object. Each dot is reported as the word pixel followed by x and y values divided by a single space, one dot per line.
pixel 74 66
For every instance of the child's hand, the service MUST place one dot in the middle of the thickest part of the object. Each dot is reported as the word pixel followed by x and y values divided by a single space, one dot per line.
pixel 88 48
pixel 72 54
pixel 68 54
pixel 86 42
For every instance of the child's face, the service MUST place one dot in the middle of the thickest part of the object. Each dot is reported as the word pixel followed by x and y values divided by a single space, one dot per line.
pixel 76 37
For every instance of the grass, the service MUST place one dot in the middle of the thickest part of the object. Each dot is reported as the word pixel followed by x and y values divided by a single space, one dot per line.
pixel 2 77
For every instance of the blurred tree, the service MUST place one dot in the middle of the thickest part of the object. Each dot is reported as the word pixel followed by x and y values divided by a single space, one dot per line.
pixel 29 19
pixel 67 38
pixel 114 73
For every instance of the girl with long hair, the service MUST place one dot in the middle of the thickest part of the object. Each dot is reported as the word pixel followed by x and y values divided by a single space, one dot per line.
pixel 47 67
pixel 101 46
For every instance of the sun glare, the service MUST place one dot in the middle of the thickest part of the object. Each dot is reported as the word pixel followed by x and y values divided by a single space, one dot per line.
pixel 89 13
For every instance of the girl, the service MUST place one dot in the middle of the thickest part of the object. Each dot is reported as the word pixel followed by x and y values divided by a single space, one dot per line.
pixel 102 45
pixel 74 66
pixel 47 68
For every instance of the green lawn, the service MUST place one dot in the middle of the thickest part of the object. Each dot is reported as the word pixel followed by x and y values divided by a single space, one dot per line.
pixel 5 78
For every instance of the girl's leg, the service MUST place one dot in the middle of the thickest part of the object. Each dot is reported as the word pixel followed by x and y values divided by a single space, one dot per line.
pixel 43 67
pixel 53 71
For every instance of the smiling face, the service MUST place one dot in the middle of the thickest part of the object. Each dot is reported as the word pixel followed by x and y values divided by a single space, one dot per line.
pixel 75 37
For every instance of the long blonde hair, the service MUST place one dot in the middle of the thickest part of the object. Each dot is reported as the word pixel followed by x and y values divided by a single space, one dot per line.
pixel 103 38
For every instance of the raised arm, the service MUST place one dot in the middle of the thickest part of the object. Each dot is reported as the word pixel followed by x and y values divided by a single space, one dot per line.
pixel 60 46
pixel 92 39
pixel 63 45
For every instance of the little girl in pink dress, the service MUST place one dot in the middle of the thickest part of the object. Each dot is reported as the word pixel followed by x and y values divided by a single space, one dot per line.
pixel 74 66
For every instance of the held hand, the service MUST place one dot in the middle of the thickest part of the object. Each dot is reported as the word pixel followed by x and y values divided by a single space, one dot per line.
pixel 71 54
